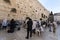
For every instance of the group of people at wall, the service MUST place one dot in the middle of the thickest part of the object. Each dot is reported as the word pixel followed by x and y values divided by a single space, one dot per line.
pixel 10 25
pixel 37 26
pixel 33 26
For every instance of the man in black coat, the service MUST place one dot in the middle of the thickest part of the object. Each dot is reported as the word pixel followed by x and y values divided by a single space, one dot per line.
pixel 29 28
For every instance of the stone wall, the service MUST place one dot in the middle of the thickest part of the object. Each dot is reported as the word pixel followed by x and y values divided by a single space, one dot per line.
pixel 30 8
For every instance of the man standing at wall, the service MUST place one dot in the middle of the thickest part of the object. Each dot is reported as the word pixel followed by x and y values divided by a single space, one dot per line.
pixel 29 27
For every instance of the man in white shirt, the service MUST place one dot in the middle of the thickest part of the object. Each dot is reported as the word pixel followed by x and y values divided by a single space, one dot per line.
pixel 4 24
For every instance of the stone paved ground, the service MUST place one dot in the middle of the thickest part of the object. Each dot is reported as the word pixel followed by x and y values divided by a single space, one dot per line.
pixel 20 35
pixel 58 32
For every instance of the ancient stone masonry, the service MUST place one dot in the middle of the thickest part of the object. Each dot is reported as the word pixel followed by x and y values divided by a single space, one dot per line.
pixel 20 9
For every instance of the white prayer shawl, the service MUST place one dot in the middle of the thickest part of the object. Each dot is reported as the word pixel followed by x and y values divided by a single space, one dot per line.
pixel 4 23
pixel 42 29
pixel 39 22
pixel 34 25
pixel 55 24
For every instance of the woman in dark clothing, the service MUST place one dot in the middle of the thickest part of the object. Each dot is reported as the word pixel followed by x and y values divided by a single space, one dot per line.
pixel 12 26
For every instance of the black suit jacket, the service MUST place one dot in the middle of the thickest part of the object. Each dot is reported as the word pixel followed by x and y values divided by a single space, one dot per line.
pixel 29 25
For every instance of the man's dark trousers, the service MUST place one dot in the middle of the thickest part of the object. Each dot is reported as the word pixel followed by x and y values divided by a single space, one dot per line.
pixel 29 33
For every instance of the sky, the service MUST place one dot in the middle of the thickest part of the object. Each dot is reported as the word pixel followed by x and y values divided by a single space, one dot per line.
pixel 51 5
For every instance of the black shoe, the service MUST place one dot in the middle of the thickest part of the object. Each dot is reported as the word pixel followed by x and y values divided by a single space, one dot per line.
pixel 27 38
pixel 30 36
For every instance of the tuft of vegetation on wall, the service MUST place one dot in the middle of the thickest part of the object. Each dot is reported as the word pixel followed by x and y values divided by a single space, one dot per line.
pixel 7 1
pixel 13 10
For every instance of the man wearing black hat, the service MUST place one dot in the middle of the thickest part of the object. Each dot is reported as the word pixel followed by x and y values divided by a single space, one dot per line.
pixel 29 28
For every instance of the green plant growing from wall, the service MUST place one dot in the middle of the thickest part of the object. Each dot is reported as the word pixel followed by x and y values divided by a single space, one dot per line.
pixel 13 10
pixel 7 1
